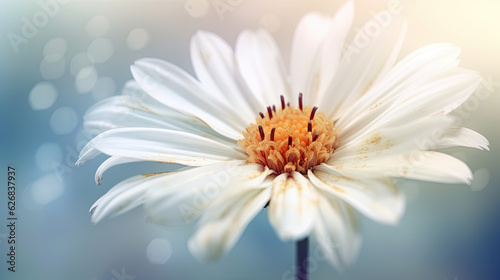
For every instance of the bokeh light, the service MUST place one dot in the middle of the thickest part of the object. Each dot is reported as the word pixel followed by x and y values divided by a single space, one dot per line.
pixel 55 49
pixel 137 39
pixel 42 96
pixel 48 154
pixel 159 251
pixel 86 79
pixel 52 69
pixel 47 189
pixel 63 120
pixel 79 62
pixel 97 26
pixel 197 8
pixel 100 50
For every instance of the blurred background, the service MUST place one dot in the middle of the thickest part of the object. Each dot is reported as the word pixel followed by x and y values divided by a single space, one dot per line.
pixel 58 58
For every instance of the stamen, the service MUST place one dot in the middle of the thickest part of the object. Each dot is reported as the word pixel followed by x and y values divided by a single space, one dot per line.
pixel 288 104
pixel 315 136
pixel 261 131
pixel 300 101
pixel 313 112
pixel 270 112
pixel 288 139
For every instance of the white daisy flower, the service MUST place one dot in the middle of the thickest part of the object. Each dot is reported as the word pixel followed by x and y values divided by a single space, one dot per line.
pixel 250 139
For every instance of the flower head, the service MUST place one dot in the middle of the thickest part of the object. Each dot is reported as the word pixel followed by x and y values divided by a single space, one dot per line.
pixel 317 143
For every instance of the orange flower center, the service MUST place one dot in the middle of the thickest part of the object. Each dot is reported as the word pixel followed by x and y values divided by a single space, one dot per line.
pixel 290 138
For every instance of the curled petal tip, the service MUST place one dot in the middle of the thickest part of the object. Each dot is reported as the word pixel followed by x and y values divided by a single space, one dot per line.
pixel 95 219
pixel 79 162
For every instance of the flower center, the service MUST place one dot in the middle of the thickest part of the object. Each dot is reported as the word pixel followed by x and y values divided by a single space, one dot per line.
pixel 290 138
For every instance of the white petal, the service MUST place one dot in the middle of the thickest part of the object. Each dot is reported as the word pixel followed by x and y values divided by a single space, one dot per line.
pixel 374 146
pixel 328 59
pixel 262 66
pixel 293 206
pixel 378 199
pixel 380 153
pixel 463 137
pixel 185 195
pixel 176 89
pixel 125 196
pixel 128 111
pixel 110 162
pixel 215 66
pixel 423 62
pixel 145 102
pixel 307 41
pixel 435 95
pixel 160 145
pixel 334 40
pixel 438 96
pixel 434 167
pixel 420 165
pixel 362 66
pixel 218 234
pixel 337 230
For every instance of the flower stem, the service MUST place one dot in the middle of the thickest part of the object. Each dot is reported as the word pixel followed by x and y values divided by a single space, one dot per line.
pixel 301 261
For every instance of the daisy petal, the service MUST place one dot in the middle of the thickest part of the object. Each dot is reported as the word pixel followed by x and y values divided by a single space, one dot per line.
pixel 363 66
pixel 160 145
pixel 262 66
pixel 436 95
pixel 328 59
pixel 123 197
pixel 331 50
pixel 176 89
pixel 144 101
pixel 216 68
pixel 463 137
pixel 380 153
pixel 424 62
pixel 434 167
pixel 292 208
pixel 378 199
pixel 126 111
pixel 110 162
pixel 337 231
pixel 307 41
pixel 389 143
pixel 218 234
pixel 184 196
pixel 420 165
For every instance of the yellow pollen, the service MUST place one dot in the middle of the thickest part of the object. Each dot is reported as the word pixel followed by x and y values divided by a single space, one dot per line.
pixel 294 139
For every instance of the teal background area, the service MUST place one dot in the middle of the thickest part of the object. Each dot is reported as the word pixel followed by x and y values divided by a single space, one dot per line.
pixel 448 232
